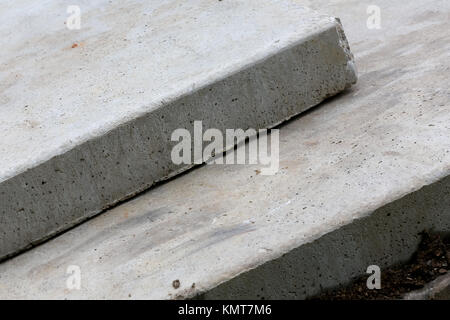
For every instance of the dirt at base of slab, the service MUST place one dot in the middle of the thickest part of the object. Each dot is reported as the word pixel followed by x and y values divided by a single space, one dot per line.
pixel 431 260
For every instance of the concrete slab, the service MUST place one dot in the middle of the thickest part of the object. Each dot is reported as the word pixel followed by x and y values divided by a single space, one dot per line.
pixel 360 176
pixel 87 114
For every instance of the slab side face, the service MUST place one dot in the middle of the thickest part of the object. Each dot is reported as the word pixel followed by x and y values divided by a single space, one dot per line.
pixel 87 115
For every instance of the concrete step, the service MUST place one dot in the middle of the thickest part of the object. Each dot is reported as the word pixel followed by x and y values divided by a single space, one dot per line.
pixel 360 177
pixel 88 114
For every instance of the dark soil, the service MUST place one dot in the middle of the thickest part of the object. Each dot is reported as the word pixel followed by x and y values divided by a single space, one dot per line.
pixel 431 260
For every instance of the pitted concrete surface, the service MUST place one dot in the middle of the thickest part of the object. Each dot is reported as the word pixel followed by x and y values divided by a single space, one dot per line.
pixel 381 150
pixel 87 115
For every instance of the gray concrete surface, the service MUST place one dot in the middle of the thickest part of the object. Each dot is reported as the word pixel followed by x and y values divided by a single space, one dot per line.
pixel 360 176
pixel 386 237
pixel 87 115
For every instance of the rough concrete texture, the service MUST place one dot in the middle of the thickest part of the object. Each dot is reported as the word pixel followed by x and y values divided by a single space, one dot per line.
pixel 438 289
pixel 87 115
pixel 387 236
pixel 348 189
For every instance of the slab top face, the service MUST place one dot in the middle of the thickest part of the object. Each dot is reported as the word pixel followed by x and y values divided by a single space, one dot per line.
pixel 61 86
